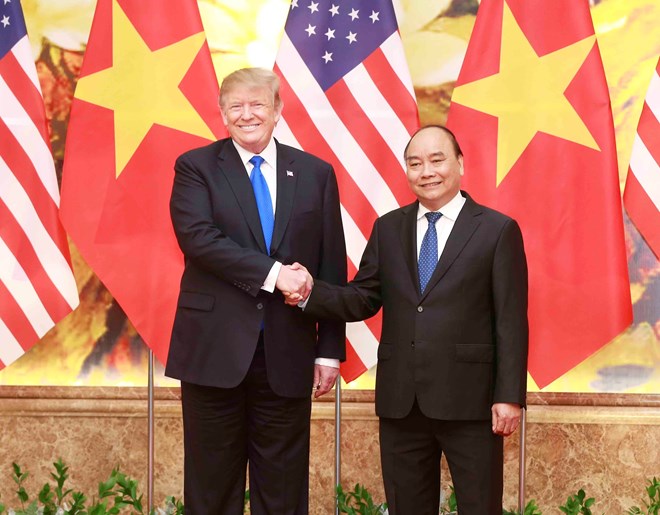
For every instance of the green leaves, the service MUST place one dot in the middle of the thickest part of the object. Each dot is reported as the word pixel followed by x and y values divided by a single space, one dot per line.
pixel 653 506
pixel 118 494
pixel 530 509
pixel 578 504
pixel 358 502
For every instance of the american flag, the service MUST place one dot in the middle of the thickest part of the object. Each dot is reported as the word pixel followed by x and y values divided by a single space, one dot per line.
pixel 37 288
pixel 348 99
pixel 642 194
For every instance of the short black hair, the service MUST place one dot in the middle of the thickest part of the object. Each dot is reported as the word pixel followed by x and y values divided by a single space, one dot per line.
pixel 452 137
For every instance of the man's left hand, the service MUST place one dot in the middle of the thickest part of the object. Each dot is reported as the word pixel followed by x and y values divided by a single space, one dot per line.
pixel 324 379
pixel 506 417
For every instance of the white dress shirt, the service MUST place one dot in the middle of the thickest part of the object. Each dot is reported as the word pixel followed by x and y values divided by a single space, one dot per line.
pixel 269 171
pixel 443 226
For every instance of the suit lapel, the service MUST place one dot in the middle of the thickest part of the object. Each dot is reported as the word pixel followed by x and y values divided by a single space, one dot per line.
pixel 286 188
pixel 409 240
pixel 466 223
pixel 232 167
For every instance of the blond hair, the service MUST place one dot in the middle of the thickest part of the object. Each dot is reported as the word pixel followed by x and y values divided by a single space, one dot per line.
pixel 252 78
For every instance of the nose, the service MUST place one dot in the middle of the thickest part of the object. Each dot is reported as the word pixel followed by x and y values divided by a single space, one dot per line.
pixel 427 170
pixel 246 111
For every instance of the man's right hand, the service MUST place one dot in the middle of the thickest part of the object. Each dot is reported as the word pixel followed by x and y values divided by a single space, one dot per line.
pixel 295 282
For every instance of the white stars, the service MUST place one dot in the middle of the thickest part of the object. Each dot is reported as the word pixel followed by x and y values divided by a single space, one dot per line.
pixel 327 57
pixel 334 10
pixel 7 2
pixel 5 19
pixel 330 34
pixel 311 30
pixel 352 37
pixel 354 14
pixel 313 7
pixel 374 16
pixel 294 4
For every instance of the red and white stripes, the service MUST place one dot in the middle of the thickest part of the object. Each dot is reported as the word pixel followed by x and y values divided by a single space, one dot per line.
pixel 360 125
pixel 642 193
pixel 37 287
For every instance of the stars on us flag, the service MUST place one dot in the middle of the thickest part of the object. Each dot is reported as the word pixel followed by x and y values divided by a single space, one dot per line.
pixel 335 36
pixel 5 19
pixel 325 18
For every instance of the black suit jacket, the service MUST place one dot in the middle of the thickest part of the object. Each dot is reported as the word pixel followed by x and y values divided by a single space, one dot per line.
pixel 459 346
pixel 221 306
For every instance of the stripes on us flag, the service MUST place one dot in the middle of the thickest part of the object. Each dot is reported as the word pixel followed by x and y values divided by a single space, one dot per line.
pixel 348 99
pixel 642 193
pixel 37 287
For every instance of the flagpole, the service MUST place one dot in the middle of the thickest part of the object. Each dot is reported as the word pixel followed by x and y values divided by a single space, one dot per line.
pixel 150 409
pixel 337 441
pixel 522 465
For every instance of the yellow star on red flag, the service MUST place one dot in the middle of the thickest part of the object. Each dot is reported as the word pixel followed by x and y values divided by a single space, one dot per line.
pixel 527 95
pixel 142 87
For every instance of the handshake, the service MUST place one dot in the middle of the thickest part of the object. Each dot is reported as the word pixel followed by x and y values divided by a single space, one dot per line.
pixel 295 283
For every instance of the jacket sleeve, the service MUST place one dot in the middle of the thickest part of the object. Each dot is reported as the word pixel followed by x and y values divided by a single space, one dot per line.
pixel 332 269
pixel 202 241
pixel 359 299
pixel 510 290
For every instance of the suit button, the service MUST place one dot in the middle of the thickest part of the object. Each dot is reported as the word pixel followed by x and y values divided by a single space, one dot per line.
pixel 260 306
pixel 420 309
pixel 412 344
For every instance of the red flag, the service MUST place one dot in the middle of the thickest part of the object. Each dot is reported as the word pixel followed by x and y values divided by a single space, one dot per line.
pixel 348 99
pixel 37 288
pixel 642 194
pixel 531 111
pixel 146 93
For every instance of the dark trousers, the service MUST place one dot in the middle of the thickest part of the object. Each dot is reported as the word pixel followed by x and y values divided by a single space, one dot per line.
pixel 225 429
pixel 410 450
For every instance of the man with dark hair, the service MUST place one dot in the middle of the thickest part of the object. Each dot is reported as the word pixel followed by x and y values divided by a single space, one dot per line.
pixel 451 277
pixel 241 208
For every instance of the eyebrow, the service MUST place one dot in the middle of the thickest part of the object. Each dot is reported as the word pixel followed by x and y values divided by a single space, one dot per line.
pixel 434 154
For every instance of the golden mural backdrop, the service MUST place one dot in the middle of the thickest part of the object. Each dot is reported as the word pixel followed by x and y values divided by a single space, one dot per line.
pixel 96 345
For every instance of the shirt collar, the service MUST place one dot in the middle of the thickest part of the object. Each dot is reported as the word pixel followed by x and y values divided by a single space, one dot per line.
pixel 450 210
pixel 269 154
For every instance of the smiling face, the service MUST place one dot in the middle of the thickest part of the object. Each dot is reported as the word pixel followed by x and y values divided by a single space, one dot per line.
pixel 434 170
pixel 250 114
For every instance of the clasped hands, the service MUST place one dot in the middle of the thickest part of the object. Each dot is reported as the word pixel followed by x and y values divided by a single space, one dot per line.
pixel 295 283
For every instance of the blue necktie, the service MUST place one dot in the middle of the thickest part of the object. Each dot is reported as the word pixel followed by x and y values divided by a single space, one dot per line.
pixel 428 253
pixel 264 202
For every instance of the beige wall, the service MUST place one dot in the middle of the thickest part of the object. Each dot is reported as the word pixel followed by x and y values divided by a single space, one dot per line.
pixel 607 444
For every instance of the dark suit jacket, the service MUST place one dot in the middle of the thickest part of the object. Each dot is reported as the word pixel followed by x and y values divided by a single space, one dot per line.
pixel 461 345
pixel 221 306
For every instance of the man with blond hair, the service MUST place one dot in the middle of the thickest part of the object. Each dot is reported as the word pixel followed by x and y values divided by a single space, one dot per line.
pixel 243 207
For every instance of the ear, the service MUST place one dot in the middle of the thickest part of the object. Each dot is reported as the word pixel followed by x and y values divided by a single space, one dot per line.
pixel 278 111
pixel 460 164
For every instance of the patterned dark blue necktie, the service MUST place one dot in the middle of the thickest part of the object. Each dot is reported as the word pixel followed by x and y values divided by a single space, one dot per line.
pixel 264 202
pixel 428 253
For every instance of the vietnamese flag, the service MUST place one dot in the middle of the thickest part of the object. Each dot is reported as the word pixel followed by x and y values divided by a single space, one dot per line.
pixel 146 93
pixel 531 111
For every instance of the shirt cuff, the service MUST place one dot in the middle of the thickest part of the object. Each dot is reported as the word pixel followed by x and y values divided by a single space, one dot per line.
pixel 271 278
pixel 327 362
pixel 303 303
